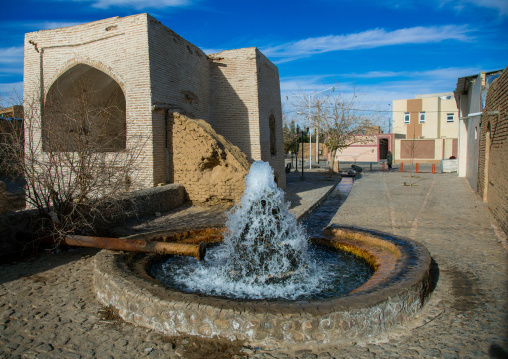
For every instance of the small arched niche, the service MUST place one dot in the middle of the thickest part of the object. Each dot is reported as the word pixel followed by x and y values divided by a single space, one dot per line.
pixel 84 110
pixel 273 138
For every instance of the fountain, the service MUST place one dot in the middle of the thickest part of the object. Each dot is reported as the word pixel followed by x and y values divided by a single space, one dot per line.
pixel 265 283
pixel 264 255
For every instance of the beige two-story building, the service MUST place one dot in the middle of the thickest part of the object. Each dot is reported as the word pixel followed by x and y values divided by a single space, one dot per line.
pixel 425 128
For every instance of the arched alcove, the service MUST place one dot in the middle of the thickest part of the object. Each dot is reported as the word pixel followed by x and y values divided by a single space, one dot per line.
pixel 84 109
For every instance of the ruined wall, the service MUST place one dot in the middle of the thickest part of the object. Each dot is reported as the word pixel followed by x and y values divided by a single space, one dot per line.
pixel 130 206
pixel 493 164
pixel 211 168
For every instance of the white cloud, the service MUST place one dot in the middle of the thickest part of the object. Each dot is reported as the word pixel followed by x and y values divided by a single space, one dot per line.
pixel 365 40
pixel 138 4
pixel 11 55
pixel 446 76
pixel 47 25
pixel 377 89
pixel 499 5
pixel 445 73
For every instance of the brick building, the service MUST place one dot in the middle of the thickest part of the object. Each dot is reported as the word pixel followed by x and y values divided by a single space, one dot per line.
pixel 149 73
pixel 470 94
pixel 493 150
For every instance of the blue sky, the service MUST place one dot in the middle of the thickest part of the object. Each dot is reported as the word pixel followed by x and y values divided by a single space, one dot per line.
pixel 387 50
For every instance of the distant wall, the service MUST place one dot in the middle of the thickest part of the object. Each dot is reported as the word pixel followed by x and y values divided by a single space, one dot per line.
pixel 425 150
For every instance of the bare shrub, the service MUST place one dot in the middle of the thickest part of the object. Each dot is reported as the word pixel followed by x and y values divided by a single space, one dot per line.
pixel 74 156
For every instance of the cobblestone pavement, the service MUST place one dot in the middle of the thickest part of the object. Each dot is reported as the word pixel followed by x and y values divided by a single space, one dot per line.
pixel 48 309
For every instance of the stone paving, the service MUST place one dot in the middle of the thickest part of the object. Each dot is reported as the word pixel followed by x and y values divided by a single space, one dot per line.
pixel 48 309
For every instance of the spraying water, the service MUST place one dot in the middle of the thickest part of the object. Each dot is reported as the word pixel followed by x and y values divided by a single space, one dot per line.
pixel 264 255
pixel 264 243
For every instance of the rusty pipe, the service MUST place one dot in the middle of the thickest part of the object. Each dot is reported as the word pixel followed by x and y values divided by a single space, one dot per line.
pixel 137 245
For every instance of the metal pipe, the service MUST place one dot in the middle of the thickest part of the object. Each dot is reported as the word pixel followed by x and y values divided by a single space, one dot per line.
pixel 133 245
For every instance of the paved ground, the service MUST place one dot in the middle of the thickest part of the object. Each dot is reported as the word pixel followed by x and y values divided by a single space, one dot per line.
pixel 48 310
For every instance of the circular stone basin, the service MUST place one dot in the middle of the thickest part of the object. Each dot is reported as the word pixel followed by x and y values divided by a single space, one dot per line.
pixel 395 293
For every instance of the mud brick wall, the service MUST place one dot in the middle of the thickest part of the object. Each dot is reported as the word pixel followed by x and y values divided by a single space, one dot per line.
pixel 493 164
pixel 211 168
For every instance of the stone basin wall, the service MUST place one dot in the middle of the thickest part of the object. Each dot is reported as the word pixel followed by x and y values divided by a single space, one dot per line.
pixel 390 299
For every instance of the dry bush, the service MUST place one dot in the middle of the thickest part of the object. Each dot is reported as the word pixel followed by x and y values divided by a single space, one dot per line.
pixel 74 156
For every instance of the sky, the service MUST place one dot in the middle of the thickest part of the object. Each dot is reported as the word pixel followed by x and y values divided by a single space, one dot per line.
pixel 384 49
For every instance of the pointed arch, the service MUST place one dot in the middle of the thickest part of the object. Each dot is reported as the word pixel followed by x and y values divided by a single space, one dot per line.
pixel 84 106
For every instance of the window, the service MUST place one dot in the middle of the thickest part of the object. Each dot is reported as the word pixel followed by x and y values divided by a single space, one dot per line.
pixel 406 117
pixel 422 117
pixel 450 117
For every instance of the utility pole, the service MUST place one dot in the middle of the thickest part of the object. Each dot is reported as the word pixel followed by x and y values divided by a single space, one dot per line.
pixel 317 132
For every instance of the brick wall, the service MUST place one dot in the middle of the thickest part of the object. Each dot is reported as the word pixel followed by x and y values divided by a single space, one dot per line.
pixel 211 168
pixel 180 80
pixel 269 105
pixel 235 99
pixel 493 164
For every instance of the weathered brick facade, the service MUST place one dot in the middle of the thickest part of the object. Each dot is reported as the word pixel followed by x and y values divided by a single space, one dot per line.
pixel 493 164
pixel 236 91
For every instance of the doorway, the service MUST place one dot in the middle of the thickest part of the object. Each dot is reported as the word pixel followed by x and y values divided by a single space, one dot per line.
pixel 383 148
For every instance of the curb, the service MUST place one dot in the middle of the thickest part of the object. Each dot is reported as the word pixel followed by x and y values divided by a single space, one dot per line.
pixel 316 204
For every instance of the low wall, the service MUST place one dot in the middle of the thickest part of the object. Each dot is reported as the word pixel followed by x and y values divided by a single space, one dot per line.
pixel 131 205
pixel 425 150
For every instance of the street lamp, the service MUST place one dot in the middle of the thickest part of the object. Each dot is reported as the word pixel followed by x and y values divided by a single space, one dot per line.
pixel 308 99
